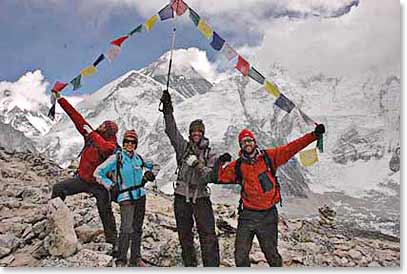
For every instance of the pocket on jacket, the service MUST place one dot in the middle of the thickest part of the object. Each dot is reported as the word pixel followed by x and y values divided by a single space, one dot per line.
pixel 265 182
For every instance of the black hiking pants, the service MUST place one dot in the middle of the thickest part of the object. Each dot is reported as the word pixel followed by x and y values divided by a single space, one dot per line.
pixel 263 224
pixel 200 211
pixel 131 229
pixel 75 185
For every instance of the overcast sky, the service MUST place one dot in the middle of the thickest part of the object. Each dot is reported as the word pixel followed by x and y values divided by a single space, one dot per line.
pixel 60 37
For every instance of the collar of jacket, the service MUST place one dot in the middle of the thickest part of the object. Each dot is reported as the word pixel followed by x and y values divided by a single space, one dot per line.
pixel 250 159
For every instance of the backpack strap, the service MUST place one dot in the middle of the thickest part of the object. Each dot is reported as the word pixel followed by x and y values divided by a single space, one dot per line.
pixel 270 167
pixel 142 161
pixel 239 180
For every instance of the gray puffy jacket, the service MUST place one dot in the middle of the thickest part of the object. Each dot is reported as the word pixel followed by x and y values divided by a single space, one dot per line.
pixel 191 181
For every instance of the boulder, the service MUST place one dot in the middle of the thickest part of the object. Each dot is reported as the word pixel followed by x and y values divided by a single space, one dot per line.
pixel 87 234
pixel 62 240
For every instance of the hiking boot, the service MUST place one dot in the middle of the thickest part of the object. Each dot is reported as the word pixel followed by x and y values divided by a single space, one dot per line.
pixel 137 263
pixel 120 263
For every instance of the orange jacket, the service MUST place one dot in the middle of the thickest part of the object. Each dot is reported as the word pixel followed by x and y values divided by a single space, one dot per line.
pixel 260 190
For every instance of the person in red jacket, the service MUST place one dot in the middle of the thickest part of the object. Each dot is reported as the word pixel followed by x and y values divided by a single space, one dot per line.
pixel 99 145
pixel 255 171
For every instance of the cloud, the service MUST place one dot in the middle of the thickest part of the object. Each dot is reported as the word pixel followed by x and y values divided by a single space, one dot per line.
pixel 28 92
pixel 367 38
pixel 184 59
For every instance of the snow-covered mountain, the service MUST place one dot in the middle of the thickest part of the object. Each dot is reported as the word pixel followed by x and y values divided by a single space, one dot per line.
pixel 31 123
pixel 361 115
pixel 184 77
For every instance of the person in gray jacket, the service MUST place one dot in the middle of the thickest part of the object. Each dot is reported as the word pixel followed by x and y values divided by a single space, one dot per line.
pixel 192 201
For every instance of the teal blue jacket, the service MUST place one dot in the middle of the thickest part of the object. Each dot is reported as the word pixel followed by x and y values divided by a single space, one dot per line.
pixel 131 173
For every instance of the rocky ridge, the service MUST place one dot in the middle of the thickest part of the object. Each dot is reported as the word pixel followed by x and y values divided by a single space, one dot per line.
pixel 26 224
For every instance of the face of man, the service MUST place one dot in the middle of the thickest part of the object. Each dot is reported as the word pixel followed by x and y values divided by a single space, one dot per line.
pixel 248 145
pixel 196 136
pixel 130 145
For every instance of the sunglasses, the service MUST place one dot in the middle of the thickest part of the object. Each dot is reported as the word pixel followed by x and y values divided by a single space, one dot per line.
pixel 133 142
pixel 248 141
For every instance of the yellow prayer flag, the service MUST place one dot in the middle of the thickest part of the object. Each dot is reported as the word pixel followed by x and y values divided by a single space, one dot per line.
pixel 150 22
pixel 205 29
pixel 271 88
pixel 88 71
pixel 309 157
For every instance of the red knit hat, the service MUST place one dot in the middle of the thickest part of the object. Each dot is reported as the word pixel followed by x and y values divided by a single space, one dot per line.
pixel 111 127
pixel 245 133
pixel 130 134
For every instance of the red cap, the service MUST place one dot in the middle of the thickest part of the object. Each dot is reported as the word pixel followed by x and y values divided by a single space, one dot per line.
pixel 130 134
pixel 245 133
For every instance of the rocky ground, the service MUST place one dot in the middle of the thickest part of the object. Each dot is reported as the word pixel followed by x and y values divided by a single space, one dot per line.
pixel 34 232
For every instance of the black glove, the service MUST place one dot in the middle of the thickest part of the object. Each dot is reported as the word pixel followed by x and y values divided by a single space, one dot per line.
pixel 319 130
pixel 166 101
pixel 149 176
pixel 225 157
pixel 114 192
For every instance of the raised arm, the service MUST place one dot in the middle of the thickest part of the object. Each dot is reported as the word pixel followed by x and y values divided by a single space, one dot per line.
pixel 177 141
pixel 75 116
pixel 280 155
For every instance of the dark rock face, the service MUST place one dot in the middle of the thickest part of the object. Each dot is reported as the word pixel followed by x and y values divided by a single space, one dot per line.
pixel 12 139
pixel 355 144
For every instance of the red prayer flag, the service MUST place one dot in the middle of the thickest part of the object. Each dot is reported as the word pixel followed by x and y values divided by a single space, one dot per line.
pixel 243 66
pixel 118 42
pixel 179 7
pixel 58 86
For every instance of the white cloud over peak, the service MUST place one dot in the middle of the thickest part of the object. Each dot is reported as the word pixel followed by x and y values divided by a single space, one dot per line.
pixel 27 93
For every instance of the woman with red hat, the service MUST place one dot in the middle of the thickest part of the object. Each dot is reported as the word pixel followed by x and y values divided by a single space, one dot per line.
pixel 99 145
pixel 128 167
pixel 255 171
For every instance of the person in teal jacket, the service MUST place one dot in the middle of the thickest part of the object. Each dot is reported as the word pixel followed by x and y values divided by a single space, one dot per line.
pixel 132 195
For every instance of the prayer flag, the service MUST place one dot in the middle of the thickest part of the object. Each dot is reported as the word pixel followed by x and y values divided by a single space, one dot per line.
pixel 100 59
pixel 309 157
pixel 228 52
pixel 76 82
pixel 118 42
pixel 256 76
pixel 58 86
pixel 217 41
pixel 242 65
pixel 51 112
pixel 205 29
pixel 179 7
pixel 88 71
pixel 139 28
pixel 166 13
pixel 284 103
pixel 113 52
pixel 271 88
pixel 194 16
pixel 150 22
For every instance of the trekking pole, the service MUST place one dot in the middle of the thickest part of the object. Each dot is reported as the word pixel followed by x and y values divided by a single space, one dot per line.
pixel 174 32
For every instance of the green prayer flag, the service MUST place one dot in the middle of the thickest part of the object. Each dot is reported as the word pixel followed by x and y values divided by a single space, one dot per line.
pixel 137 29
pixel 194 16
pixel 76 82
pixel 320 144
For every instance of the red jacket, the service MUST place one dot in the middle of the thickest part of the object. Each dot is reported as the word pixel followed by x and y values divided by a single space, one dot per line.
pixel 257 194
pixel 95 153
